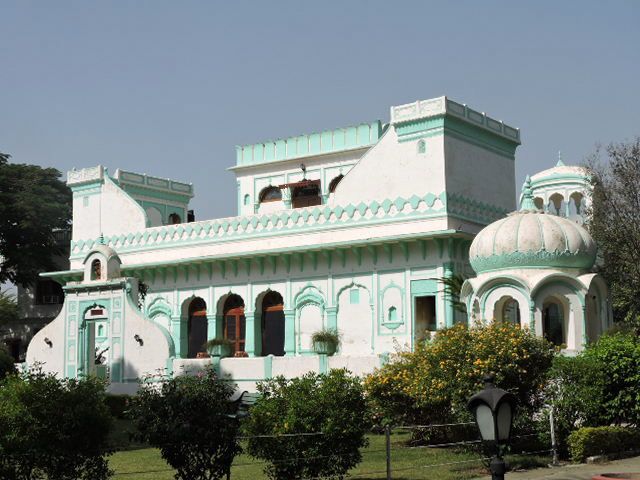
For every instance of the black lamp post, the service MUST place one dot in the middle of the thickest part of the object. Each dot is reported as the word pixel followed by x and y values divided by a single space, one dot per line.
pixel 493 409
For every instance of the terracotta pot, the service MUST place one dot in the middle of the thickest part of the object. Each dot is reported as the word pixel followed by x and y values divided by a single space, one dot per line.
pixel 202 355
pixel 617 476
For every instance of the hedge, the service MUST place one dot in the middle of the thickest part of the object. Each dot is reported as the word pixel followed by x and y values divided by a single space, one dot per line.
pixel 590 441
pixel 118 405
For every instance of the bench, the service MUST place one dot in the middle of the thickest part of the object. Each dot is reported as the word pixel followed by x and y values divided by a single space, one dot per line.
pixel 243 401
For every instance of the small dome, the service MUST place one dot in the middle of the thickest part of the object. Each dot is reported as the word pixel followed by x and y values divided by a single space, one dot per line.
pixel 561 171
pixel 531 238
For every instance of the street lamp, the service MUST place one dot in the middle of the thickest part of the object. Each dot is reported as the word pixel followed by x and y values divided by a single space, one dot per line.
pixel 493 409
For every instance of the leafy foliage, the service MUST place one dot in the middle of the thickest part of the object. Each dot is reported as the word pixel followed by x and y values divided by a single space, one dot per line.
pixel 452 286
pixel 33 203
pixel 615 225
pixel 599 387
pixel 7 363
pixel 8 308
pixel 187 418
pixel 575 390
pixel 332 404
pixel 589 441
pixel 433 383
pixel 51 428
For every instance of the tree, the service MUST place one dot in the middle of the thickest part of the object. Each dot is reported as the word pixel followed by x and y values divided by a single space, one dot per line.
pixel 53 428
pixel 189 419
pixel 329 408
pixel 8 308
pixel 615 225
pixel 33 203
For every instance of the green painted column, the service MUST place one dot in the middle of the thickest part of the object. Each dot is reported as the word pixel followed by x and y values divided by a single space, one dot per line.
pixel 289 332
pixel 532 316
pixel 450 310
pixel 332 318
pixel 250 333
pixel 180 340
pixel 211 327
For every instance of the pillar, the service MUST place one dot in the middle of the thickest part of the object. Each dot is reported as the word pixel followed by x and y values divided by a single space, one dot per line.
pixel 211 327
pixel 179 332
pixel 286 197
pixel 250 333
pixel 450 310
pixel 289 332
pixel 332 318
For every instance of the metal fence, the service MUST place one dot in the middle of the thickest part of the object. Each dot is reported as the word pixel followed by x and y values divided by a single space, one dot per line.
pixel 403 452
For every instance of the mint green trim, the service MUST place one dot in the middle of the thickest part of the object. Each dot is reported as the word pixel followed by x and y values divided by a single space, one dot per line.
pixel 154 183
pixel 421 288
pixel 181 198
pixel 532 260
pixel 449 307
pixel 286 222
pixel 391 327
pixel 331 141
pixel 86 188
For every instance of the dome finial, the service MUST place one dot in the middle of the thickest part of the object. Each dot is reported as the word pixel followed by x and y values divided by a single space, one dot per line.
pixel 527 196
pixel 560 162
pixel 101 239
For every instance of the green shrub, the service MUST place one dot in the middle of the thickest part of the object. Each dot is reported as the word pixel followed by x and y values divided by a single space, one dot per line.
pixel 187 418
pixel 589 441
pixel 332 405
pixel 618 356
pixel 7 363
pixel 118 405
pixel 55 429
pixel 433 383
pixel 575 389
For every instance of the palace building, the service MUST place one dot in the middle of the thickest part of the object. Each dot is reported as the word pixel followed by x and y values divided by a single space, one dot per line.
pixel 351 229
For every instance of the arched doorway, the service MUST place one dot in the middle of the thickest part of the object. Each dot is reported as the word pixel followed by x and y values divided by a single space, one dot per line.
pixel 510 311
pixel 272 324
pixel 553 322
pixel 197 327
pixel 234 323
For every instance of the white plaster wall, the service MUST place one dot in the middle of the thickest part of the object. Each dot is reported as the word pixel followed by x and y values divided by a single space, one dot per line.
pixel 479 174
pixel 242 368
pixel 358 365
pixel 190 366
pixel 291 367
pixel 355 321
pixel 310 319
pixel 50 358
pixel 149 358
pixel 392 169
pixel 110 212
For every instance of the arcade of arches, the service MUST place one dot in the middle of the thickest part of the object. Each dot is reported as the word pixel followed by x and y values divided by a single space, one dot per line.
pixel 268 324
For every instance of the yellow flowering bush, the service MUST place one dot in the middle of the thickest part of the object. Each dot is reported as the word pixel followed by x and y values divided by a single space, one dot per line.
pixel 433 383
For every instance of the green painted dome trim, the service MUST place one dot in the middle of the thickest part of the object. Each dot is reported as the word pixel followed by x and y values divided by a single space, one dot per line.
pixel 530 259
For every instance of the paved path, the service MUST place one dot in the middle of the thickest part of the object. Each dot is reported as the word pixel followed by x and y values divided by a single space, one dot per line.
pixel 576 472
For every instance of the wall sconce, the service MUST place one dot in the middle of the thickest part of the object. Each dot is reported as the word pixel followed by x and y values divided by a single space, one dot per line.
pixel 138 339
pixel 48 342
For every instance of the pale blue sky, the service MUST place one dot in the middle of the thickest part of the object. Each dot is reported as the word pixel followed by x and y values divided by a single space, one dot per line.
pixel 168 88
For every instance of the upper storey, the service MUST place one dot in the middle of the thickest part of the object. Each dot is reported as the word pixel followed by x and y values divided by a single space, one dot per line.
pixel 126 201
pixel 428 146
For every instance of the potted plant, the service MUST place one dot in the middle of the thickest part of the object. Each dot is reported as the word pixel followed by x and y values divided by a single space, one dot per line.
pixel 325 341
pixel 219 347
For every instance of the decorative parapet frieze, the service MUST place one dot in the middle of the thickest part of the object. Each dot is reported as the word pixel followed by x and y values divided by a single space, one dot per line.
pixel 155 183
pixel 299 220
pixel 329 141
pixel 85 175
pixel 434 107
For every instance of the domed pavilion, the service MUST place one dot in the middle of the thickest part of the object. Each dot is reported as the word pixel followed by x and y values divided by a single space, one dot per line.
pixel 535 269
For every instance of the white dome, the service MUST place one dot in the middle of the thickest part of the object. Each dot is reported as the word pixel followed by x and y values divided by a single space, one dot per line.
pixel 561 171
pixel 531 238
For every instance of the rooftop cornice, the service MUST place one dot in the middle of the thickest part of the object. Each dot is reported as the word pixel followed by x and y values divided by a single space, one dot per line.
pixel 441 106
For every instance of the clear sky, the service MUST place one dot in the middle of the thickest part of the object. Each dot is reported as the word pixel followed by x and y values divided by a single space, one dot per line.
pixel 169 88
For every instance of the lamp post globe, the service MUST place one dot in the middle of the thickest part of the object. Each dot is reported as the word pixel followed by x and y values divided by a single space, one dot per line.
pixel 493 409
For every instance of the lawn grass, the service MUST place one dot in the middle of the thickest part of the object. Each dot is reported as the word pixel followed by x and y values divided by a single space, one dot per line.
pixel 407 463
